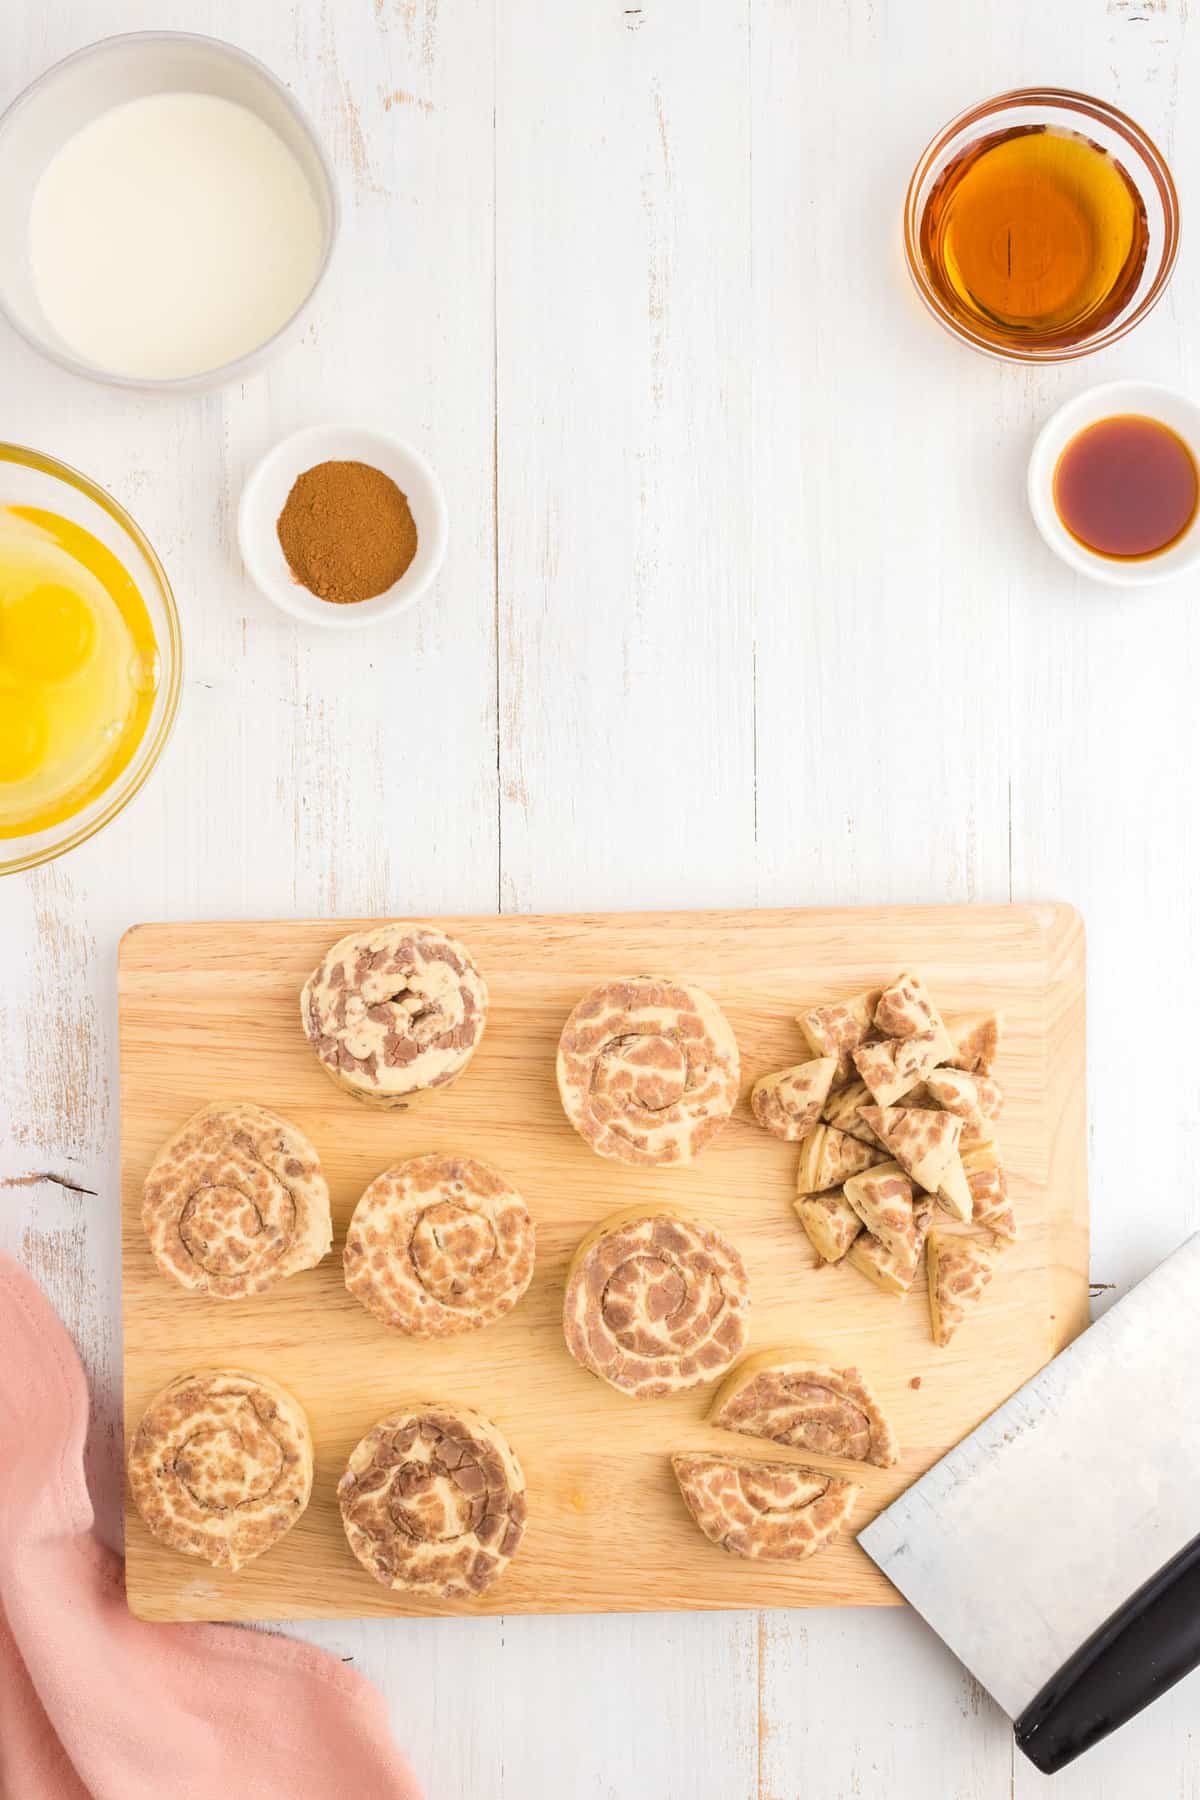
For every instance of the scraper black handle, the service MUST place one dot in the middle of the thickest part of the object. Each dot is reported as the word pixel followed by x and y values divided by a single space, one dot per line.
pixel 1148 1644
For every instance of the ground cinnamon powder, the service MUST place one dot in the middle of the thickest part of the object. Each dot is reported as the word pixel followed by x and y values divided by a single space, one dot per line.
pixel 347 531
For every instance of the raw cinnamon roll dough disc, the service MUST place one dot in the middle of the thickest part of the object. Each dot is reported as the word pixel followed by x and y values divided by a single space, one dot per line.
pixel 768 1509
pixel 221 1465
pixel 394 1011
pixel 655 1303
pixel 647 1070
pixel 433 1501
pixel 236 1201
pixel 439 1244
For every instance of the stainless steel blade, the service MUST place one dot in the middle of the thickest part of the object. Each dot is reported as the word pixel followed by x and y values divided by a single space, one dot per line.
pixel 1024 1539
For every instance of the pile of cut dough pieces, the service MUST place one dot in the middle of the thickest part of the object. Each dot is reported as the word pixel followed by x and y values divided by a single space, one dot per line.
pixel 895 1115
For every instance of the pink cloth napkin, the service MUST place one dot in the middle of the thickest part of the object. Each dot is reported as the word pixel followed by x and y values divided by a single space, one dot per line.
pixel 95 1703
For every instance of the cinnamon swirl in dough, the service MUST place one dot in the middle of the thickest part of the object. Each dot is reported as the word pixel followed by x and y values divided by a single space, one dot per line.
pixel 647 1070
pixel 764 1509
pixel 235 1202
pixel 433 1501
pixel 655 1303
pixel 439 1244
pixel 221 1465
pixel 394 1011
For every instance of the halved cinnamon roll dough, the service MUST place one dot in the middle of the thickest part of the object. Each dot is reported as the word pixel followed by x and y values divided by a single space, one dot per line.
pixel 830 1221
pixel 959 1270
pixel 789 1104
pixel 655 1303
pixel 235 1202
pixel 827 1157
pixel 439 1244
pixel 433 1501
pixel 790 1398
pixel 839 1028
pixel 764 1509
pixel 893 1268
pixel 394 1012
pixel 221 1465
pixel 647 1070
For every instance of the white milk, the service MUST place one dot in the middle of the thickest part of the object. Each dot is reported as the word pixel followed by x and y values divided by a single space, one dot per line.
pixel 171 235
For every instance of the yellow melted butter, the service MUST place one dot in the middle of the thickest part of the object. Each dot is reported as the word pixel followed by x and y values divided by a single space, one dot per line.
pixel 78 669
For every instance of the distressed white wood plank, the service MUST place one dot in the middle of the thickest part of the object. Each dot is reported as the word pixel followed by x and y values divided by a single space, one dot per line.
pixel 623 270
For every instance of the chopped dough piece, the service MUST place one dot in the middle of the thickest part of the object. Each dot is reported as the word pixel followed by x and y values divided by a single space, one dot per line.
pixel 988 1184
pixel 647 1070
pixel 953 1192
pixel 828 1156
pixel 789 1104
pixel 841 1110
pixel 975 1040
pixel 967 1097
pixel 838 1029
pixel 433 1501
pixel 655 1303
pixel 883 1200
pixel 394 1012
pixel 235 1202
pixel 959 1270
pixel 905 1010
pixel 923 1142
pixel 786 1396
pixel 439 1244
pixel 221 1465
pixel 892 1067
pixel 892 1270
pixel 764 1509
pixel 831 1223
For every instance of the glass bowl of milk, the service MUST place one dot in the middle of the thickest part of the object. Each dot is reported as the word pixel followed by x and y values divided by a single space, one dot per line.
pixel 167 212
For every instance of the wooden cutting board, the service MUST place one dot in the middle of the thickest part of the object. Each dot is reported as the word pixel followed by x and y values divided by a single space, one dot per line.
pixel 209 1012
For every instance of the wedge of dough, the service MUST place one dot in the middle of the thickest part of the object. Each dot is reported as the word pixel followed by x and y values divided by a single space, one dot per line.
pixel 975 1041
pixel 894 1271
pixel 959 1270
pixel 838 1029
pixel 831 1223
pixel 827 1157
pixel 906 1010
pixel 892 1067
pixel 923 1142
pixel 841 1110
pixel 883 1199
pixel 988 1182
pixel 789 1103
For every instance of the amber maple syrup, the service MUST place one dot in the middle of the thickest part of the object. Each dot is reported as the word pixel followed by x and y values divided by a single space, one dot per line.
pixel 1126 487
pixel 1034 235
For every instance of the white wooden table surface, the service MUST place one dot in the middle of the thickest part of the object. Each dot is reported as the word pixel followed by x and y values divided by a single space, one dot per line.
pixel 743 606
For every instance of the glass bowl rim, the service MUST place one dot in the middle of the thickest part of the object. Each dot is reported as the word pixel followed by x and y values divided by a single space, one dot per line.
pixel 1073 104
pixel 152 746
pixel 224 374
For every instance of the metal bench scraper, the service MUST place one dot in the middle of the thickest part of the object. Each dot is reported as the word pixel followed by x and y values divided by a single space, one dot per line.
pixel 1056 1549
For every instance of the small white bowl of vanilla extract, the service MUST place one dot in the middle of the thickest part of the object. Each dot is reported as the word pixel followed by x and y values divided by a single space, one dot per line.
pixel 1114 483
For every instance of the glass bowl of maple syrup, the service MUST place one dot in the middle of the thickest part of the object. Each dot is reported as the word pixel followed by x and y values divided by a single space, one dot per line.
pixel 1041 225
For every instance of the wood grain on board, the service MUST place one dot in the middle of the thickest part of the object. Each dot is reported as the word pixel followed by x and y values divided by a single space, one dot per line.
pixel 209 1012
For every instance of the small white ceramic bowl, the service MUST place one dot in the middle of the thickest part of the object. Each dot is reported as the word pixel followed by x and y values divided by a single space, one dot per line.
pixel 268 487
pixel 86 84
pixel 1151 401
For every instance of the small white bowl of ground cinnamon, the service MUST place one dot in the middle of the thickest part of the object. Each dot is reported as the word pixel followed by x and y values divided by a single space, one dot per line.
pixel 341 526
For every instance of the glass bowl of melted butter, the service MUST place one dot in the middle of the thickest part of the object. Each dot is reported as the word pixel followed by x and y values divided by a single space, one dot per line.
pixel 90 658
